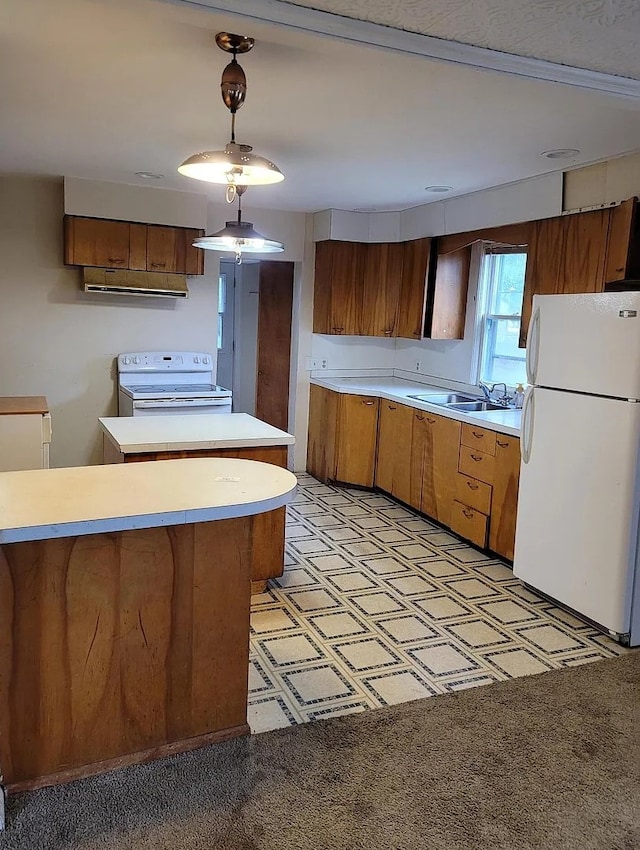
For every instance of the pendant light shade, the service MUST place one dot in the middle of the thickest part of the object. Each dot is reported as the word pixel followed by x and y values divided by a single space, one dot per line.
pixel 240 237
pixel 236 165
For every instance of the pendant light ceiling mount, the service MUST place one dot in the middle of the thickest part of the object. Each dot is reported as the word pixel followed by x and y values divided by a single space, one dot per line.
pixel 236 165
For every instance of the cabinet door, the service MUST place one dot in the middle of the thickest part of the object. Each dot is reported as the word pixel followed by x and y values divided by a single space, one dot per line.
pixel 504 502
pixel 623 242
pixel 447 295
pixel 413 288
pixel 393 461
pixel 163 249
pixel 321 446
pixel 381 288
pixel 338 287
pixel 96 242
pixel 191 258
pixel 566 255
pixel 441 440
pixel 356 439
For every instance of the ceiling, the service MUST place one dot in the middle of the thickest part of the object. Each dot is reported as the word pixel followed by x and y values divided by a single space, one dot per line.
pixel 104 88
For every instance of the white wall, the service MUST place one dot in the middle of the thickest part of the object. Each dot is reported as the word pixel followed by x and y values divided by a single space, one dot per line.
pixel 603 183
pixel 354 352
pixel 58 341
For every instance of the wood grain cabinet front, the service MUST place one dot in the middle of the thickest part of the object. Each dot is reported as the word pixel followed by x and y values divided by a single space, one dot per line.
pixel 127 245
pixel 435 445
pixel 393 459
pixel 504 504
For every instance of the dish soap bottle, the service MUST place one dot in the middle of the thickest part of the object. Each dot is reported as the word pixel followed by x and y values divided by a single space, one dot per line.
pixel 518 396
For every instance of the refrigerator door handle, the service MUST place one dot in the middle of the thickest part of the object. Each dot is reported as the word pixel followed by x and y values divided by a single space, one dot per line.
pixel 533 347
pixel 528 411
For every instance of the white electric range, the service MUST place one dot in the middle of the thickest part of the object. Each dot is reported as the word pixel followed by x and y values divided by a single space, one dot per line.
pixel 151 383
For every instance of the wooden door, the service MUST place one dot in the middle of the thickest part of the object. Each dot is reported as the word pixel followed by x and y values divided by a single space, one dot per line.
pixel 413 288
pixel 96 242
pixel 620 240
pixel 447 295
pixel 440 466
pixel 356 439
pixel 164 245
pixel 381 288
pixel 275 304
pixel 321 442
pixel 504 501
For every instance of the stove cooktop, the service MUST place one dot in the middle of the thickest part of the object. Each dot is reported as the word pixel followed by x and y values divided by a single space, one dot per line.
pixel 164 389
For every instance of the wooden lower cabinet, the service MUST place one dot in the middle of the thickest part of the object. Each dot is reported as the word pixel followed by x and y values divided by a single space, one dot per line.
pixel 357 432
pixel 504 503
pixel 435 447
pixel 321 443
pixel 393 460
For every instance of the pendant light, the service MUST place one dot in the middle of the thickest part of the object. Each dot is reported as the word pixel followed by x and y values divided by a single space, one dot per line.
pixel 239 236
pixel 236 165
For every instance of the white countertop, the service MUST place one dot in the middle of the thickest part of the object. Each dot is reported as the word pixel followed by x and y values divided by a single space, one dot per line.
pixel 39 504
pixel 133 434
pixel 505 421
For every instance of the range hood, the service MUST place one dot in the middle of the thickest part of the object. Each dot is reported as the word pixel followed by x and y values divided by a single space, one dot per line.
pixel 125 282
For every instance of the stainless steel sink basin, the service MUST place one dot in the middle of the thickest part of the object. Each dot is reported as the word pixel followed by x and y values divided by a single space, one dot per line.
pixel 476 406
pixel 444 398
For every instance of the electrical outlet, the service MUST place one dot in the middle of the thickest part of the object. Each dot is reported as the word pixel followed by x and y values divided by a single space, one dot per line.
pixel 312 363
pixel 417 365
pixel 324 363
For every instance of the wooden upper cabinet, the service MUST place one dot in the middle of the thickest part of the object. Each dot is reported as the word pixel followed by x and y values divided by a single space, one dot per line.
pixel 96 242
pixel 127 245
pixel 413 288
pixel 566 255
pixel 447 294
pixel 381 288
pixel 623 242
pixel 338 286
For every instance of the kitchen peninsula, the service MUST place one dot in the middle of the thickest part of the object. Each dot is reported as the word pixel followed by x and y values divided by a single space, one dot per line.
pixel 124 611
pixel 128 439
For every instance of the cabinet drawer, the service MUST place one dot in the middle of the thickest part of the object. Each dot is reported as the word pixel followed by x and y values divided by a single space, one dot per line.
pixel 476 464
pixel 478 438
pixel 474 493
pixel 469 523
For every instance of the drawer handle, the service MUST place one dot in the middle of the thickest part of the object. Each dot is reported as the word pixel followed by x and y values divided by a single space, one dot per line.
pixel 472 486
pixel 338 330
pixel 431 421
pixel 116 260
pixel 420 418
pixel 158 265
pixel 368 403
pixel 391 407
pixel 476 457
pixel 468 514
pixel 478 434
pixel 387 333
pixel 502 445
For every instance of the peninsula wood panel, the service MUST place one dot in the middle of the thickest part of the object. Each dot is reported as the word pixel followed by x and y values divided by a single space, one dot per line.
pixel 321 443
pixel 357 433
pixel 393 459
pixel 504 502
pixel 113 645
pixel 268 529
pixel 413 288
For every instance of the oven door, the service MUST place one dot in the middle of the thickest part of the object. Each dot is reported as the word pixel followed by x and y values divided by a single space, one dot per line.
pixel 180 406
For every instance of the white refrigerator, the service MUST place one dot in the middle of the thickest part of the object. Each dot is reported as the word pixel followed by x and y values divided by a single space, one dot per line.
pixel 577 531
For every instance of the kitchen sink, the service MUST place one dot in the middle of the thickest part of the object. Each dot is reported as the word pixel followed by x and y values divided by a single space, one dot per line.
pixel 476 406
pixel 444 398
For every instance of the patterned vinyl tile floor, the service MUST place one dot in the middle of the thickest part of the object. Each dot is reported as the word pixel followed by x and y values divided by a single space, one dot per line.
pixel 379 606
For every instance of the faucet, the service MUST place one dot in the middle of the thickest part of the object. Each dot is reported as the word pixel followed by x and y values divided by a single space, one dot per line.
pixel 505 398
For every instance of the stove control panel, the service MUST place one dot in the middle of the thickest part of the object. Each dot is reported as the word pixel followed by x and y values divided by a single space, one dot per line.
pixel 165 361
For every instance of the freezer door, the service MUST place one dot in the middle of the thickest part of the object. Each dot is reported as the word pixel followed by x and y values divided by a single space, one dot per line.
pixel 586 343
pixel 577 522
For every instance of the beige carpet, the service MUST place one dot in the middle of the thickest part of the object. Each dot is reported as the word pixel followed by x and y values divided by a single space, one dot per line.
pixel 548 761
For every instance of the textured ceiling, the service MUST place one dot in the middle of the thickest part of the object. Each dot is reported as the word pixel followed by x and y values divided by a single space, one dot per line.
pixel 600 35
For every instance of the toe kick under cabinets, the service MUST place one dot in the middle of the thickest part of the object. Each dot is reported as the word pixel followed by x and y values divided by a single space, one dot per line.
pixel 462 475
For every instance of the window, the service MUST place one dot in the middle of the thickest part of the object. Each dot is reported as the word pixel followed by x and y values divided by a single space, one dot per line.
pixel 222 305
pixel 502 287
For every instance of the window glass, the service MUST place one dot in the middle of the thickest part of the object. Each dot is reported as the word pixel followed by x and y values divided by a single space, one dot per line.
pixel 502 275
pixel 222 304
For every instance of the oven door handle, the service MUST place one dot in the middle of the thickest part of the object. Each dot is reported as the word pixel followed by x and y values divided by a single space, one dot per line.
pixel 183 402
